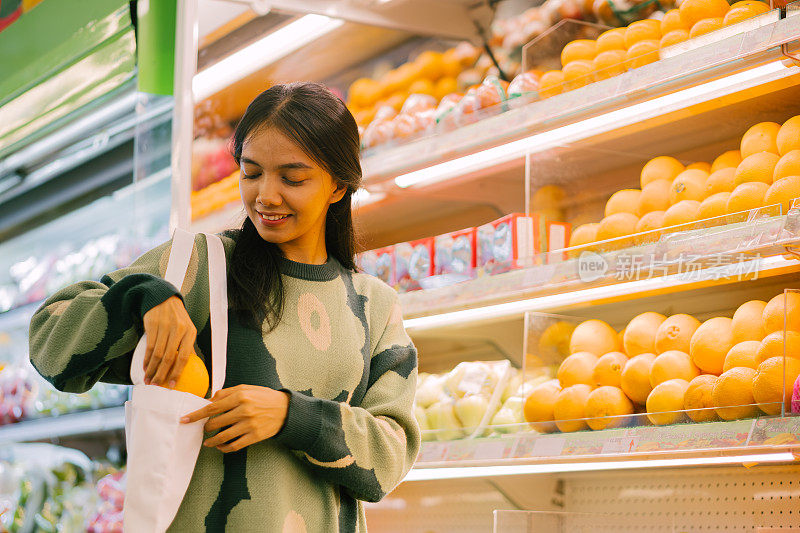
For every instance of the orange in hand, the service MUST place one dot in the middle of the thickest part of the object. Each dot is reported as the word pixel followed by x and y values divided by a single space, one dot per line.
pixel 194 378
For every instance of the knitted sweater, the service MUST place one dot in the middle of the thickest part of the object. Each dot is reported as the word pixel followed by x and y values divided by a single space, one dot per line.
pixel 340 350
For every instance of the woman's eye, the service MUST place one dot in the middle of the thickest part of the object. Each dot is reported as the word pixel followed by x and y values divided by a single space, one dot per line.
pixel 292 182
pixel 247 176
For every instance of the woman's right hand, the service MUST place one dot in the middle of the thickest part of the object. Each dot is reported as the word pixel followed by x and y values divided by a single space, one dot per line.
pixel 170 340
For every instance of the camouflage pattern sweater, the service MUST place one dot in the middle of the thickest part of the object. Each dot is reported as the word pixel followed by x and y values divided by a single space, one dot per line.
pixel 340 351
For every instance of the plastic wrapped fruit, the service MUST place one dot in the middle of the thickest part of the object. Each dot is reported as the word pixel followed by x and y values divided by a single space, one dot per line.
pixel 418 102
pixel 522 87
pixel 492 92
pixel 379 132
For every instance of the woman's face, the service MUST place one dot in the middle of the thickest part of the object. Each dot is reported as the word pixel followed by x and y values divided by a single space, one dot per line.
pixel 286 193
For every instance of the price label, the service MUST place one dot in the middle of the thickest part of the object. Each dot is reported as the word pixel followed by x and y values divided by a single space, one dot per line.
pixel 548 446
pixel 432 452
pixel 620 445
pixel 489 450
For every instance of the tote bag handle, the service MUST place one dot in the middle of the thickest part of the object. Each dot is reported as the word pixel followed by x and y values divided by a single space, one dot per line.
pixel 179 257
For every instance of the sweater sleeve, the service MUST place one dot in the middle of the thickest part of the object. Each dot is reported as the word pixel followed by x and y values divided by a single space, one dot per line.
pixel 370 448
pixel 87 331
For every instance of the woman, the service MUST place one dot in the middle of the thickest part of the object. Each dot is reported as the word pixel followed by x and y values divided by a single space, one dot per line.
pixel 316 411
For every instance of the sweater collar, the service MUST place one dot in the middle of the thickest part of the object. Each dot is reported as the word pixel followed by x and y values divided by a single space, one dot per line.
pixel 325 272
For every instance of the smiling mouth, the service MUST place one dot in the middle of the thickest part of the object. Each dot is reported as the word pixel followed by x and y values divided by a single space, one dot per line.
pixel 273 218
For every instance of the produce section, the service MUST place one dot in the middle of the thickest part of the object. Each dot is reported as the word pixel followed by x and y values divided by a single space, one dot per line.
pixel 593 231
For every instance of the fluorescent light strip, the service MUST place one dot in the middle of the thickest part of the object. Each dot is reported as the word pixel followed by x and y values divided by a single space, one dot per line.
pixel 428 474
pixel 584 128
pixel 261 53
pixel 549 302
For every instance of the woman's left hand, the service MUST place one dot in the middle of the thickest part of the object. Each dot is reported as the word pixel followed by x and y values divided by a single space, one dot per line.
pixel 249 412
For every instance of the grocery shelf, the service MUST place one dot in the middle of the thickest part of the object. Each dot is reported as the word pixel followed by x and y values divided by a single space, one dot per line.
pixel 755 440
pixel 613 113
pixel 68 425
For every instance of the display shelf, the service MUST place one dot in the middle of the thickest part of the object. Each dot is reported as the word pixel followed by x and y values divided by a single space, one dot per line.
pixel 696 258
pixel 700 442
pixel 68 425
pixel 682 88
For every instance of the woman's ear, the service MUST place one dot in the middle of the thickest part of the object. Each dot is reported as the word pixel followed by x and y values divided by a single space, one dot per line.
pixel 338 193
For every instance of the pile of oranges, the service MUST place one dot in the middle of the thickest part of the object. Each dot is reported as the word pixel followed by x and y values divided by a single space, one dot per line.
pixel 620 49
pixel 764 171
pixel 673 369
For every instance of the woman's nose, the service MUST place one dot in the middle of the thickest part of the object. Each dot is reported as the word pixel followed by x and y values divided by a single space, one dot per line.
pixel 269 193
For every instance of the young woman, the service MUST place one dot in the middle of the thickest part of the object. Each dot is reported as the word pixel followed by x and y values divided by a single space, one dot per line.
pixel 316 411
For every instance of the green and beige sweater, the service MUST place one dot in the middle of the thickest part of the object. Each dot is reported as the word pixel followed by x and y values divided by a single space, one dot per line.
pixel 340 350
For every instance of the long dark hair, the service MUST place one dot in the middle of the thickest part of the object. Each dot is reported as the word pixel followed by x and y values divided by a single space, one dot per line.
pixel 319 123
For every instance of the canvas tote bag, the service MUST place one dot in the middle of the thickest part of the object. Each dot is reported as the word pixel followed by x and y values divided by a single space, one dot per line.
pixel 162 452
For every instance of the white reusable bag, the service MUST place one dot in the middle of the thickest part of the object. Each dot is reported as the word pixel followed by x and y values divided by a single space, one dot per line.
pixel 162 452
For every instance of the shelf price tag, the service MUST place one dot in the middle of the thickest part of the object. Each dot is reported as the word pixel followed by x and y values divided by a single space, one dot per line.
pixel 489 450
pixel 548 446
pixel 432 452
pixel 620 445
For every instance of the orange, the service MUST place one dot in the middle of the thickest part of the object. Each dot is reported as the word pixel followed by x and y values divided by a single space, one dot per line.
pixel 732 394
pixel 660 168
pixel 763 137
pixel 606 408
pixel 569 409
pixel 788 165
pixel 642 30
pixel 654 197
pixel 773 346
pixel 624 201
pixel 706 26
pixel 742 354
pixel 697 399
pixel 773 384
pixel 673 37
pixel 665 402
pixel 711 343
pixel 538 408
pixel 729 159
pixel 757 167
pixel 642 53
pixel 554 342
pixel 713 206
pixel 584 234
pixel 672 364
pixel 617 225
pixel 594 336
pixel 611 40
pixel 675 333
pixel 582 49
pixel 722 180
pixel 577 368
pixel 744 10
pixel 194 378
pixel 683 212
pixel 650 222
pixel 635 379
pixel 672 22
pixel 551 83
pixel 430 65
pixel 700 165
pixel 688 185
pixel 785 305
pixel 747 321
pixel 693 11
pixel 451 63
pixel 784 191
pixel 609 64
pixel 788 137
pixel 640 333
pixel 747 196
pixel 548 197
pixel 445 86
pixel 578 73
pixel 423 86
pixel 608 370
